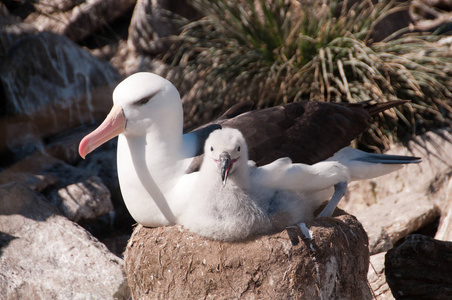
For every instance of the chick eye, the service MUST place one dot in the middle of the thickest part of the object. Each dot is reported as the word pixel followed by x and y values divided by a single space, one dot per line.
pixel 211 148
pixel 238 148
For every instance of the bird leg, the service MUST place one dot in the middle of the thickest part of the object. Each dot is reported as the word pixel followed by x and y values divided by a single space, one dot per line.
pixel 339 191
pixel 294 230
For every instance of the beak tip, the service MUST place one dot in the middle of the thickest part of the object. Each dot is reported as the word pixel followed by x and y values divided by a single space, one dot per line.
pixel 225 162
pixel 112 126
pixel 83 148
pixel 82 155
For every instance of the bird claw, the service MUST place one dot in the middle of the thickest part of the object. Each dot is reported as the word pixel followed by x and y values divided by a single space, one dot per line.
pixel 339 191
pixel 294 233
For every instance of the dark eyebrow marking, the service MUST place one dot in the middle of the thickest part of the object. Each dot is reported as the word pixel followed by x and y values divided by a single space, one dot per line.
pixel 146 99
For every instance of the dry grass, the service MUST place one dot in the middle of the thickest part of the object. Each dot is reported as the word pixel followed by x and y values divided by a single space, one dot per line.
pixel 282 51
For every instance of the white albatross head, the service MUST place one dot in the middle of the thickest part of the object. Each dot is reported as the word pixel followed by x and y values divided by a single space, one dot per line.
pixel 226 149
pixel 142 102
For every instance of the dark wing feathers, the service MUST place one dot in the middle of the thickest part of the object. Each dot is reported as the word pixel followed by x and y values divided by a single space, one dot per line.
pixel 306 131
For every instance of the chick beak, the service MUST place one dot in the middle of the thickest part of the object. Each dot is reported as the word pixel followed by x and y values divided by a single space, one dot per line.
pixel 225 164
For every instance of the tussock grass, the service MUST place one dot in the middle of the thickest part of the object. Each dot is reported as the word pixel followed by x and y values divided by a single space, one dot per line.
pixel 275 52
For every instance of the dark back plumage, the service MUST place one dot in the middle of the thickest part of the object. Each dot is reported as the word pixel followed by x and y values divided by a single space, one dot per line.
pixel 306 131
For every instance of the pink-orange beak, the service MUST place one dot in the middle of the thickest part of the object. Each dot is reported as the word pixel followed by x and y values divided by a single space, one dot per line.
pixel 113 125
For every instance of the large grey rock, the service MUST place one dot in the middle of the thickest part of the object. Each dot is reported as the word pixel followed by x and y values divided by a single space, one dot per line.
pixel 76 19
pixel 426 182
pixel 80 195
pixel 49 85
pixel 46 256
pixel 172 263
pixel 84 200
pixel 394 217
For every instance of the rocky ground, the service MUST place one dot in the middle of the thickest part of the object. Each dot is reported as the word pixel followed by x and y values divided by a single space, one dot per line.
pixel 59 62
pixel 416 199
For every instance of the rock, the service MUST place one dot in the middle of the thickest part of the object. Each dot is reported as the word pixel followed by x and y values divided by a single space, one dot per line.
pixel 390 23
pixel 152 34
pixel 377 279
pixel 84 200
pixel 155 24
pixel 420 268
pixel 412 16
pixel 80 195
pixel 444 231
pixel 49 85
pixel 46 256
pixel 429 179
pixel 31 172
pixel 76 19
pixel 394 217
pixel 172 263
pixel 64 145
pixel 102 163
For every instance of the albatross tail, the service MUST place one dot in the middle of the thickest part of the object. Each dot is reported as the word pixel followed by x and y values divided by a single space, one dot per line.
pixel 389 159
pixel 363 165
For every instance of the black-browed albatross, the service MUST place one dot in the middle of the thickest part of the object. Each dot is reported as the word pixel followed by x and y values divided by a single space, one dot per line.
pixel 236 201
pixel 156 160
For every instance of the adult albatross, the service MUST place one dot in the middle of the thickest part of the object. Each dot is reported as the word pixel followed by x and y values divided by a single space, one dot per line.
pixel 156 160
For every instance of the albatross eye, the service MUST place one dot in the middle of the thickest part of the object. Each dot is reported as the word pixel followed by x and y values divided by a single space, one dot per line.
pixel 238 148
pixel 146 99
pixel 142 101
pixel 211 148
